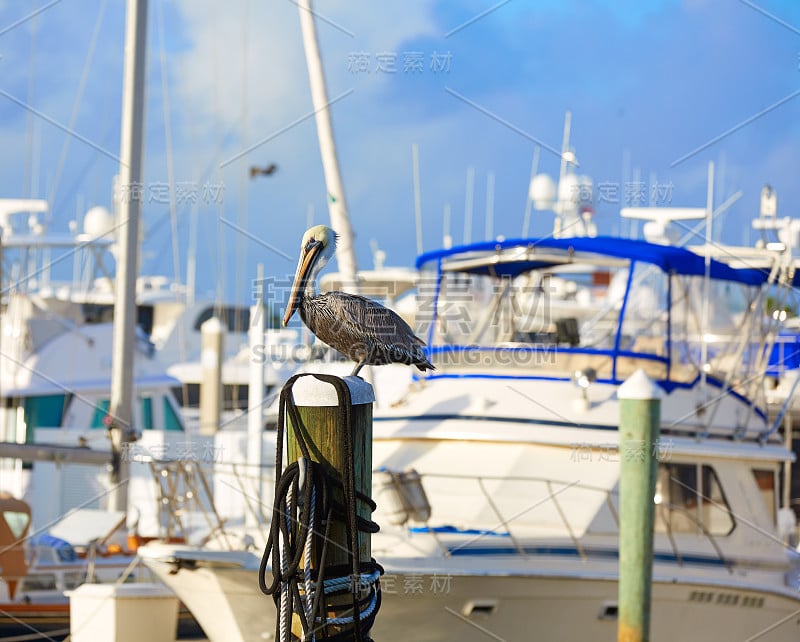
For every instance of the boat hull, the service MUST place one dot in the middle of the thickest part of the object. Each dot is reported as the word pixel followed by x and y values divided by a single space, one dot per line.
pixel 543 605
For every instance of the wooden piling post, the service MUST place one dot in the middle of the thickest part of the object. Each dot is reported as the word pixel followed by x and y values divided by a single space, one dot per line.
pixel 212 339
pixel 640 419
pixel 317 404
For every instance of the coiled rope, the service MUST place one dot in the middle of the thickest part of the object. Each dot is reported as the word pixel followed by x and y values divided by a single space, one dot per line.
pixel 303 497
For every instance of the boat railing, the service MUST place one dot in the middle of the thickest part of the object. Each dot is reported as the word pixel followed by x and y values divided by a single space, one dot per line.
pixel 186 486
pixel 667 508
pixel 587 533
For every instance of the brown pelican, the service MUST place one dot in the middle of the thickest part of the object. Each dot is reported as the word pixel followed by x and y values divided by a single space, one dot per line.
pixel 361 329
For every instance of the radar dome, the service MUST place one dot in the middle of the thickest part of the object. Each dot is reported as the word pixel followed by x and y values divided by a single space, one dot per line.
pixel 542 192
pixel 98 222
pixel 569 189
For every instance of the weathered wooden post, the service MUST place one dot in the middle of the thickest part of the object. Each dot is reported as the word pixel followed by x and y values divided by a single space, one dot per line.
pixel 212 335
pixel 640 419
pixel 337 438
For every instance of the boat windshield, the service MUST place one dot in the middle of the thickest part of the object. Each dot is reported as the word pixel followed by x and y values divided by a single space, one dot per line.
pixel 552 312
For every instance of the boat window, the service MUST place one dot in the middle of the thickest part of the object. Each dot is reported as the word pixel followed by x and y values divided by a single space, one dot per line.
pixel 546 309
pixel 17 522
pixel 765 480
pixel 187 395
pixel 97 313
pixel 234 397
pixel 102 313
pixel 644 326
pixel 147 413
pixel 235 319
pixel 171 419
pixel 73 579
pixel 717 516
pixel 731 343
pixel 545 318
pixel 144 318
pixel 45 411
pixel 100 413
pixel 689 499
pixel 39 582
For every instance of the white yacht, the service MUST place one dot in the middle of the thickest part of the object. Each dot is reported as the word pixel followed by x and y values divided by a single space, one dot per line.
pixel 514 438
pixel 66 281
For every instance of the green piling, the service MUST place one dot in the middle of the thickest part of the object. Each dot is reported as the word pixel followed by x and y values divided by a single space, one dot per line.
pixel 640 419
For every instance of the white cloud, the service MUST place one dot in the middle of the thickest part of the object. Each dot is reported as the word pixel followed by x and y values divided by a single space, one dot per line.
pixel 206 84
pixel 209 77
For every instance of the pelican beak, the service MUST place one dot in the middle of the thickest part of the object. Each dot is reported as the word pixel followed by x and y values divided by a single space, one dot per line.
pixel 308 257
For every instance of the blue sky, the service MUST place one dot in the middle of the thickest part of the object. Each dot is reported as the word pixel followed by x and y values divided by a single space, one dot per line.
pixel 646 82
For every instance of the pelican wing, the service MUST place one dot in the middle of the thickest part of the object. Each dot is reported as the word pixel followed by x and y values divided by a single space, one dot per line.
pixel 370 317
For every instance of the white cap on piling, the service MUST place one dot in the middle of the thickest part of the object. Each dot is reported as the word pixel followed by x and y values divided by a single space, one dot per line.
pixel 310 391
pixel 639 386
pixel 211 326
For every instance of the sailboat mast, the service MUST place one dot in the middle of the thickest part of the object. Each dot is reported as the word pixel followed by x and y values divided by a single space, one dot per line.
pixel 130 208
pixel 340 219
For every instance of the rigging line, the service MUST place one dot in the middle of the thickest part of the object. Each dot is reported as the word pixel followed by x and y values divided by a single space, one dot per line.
pixel 220 253
pixel 173 214
pixel 62 159
pixel 75 184
pixel 31 123
pixel 241 217
pixel 191 251
pixel 173 211
pixel 218 265
pixel 468 203
pixel 192 205
pixel 526 221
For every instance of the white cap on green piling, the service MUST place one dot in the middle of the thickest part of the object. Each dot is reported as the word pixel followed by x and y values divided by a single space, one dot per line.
pixel 639 386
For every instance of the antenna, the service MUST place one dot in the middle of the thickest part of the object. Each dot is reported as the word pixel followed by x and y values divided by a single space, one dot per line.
pixel 633 194
pixel 653 189
pixel 417 198
pixel 526 221
pixel 626 173
pixel 565 145
pixel 489 206
pixel 563 196
pixel 378 255
pixel 447 239
pixel 468 205
pixel 769 202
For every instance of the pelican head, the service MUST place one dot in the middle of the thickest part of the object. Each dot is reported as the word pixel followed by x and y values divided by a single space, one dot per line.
pixel 316 249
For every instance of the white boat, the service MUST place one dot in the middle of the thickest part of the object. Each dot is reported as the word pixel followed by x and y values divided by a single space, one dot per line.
pixel 515 439
pixel 55 369
pixel 63 282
